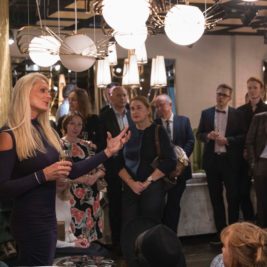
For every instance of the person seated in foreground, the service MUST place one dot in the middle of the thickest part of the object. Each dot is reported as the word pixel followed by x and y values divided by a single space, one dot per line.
pixel 148 244
pixel 72 244
pixel 244 245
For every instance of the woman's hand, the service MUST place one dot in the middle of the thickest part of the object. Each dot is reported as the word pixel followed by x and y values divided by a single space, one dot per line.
pixel 57 170
pixel 115 144
pixel 81 243
pixel 137 187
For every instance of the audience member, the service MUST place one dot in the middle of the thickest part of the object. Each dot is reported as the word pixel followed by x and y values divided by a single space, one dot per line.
pixel 114 120
pixel 107 92
pixel 72 244
pixel 63 108
pixel 254 106
pixel 244 244
pixel 257 158
pixel 86 210
pixel 29 166
pixel 144 193
pixel 158 246
pixel 181 134
pixel 220 130
pixel 79 101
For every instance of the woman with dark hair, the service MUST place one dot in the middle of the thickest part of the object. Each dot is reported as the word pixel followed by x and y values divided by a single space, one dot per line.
pixel 85 202
pixel 79 101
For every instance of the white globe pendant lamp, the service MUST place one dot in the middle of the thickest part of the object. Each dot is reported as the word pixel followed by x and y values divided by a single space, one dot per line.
pixel 125 15
pixel 184 24
pixel 133 39
pixel 78 52
pixel 44 50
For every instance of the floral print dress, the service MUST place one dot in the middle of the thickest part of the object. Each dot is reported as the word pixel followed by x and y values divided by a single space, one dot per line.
pixel 86 211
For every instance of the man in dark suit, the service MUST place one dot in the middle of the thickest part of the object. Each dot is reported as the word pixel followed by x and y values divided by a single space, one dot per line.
pixel 181 134
pixel 113 120
pixel 257 157
pixel 220 130
pixel 248 110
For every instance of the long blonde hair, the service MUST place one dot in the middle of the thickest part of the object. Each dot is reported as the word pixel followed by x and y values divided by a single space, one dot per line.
pixel 28 140
pixel 247 244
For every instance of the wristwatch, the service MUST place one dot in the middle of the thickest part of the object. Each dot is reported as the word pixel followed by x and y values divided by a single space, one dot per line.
pixel 150 179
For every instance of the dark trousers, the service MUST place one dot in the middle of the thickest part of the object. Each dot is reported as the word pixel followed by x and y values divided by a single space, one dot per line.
pixel 148 204
pixel 220 173
pixel 172 208
pixel 245 188
pixel 260 183
pixel 114 194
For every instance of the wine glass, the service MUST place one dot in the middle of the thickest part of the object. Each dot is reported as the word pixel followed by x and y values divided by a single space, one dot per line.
pixel 66 155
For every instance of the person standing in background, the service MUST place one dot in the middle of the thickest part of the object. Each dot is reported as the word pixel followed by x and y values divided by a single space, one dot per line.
pixel 181 134
pixel 248 110
pixel 223 135
pixel 113 120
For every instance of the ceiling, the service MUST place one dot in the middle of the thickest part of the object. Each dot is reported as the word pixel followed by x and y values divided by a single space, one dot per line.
pixel 226 17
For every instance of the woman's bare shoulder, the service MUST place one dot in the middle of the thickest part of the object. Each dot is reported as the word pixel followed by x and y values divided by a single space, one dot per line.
pixel 6 142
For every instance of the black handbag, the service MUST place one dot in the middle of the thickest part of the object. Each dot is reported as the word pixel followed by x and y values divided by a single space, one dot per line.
pixel 170 180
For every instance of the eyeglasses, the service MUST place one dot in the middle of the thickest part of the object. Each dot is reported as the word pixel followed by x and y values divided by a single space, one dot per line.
pixel 223 95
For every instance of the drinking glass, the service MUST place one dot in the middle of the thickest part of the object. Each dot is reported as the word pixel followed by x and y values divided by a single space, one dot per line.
pixel 66 155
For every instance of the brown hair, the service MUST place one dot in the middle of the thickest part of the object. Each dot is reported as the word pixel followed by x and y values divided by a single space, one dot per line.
pixel 144 100
pixel 247 244
pixel 254 79
pixel 68 118
pixel 83 101
pixel 225 86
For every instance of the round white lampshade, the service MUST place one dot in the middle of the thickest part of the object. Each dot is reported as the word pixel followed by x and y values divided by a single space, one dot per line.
pixel 184 24
pixel 131 40
pixel 78 52
pixel 125 15
pixel 44 50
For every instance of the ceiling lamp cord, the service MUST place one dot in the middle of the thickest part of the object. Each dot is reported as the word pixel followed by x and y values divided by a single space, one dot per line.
pixel 75 12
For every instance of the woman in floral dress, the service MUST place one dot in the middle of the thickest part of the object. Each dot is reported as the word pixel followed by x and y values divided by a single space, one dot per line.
pixel 85 202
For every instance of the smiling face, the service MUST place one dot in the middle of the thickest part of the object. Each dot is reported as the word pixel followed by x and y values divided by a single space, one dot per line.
pixel 74 127
pixel 254 90
pixel 39 98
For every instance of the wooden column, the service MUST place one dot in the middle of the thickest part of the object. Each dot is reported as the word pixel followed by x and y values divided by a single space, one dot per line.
pixel 5 69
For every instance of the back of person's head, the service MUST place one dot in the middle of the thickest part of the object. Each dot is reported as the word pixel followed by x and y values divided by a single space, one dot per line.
pixel 159 246
pixel 246 244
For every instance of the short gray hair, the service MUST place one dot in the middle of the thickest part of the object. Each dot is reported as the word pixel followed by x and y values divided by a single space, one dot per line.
pixel 165 97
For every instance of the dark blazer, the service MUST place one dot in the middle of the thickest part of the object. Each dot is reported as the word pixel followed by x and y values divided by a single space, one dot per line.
pixel 256 137
pixel 109 123
pixel 234 134
pixel 182 136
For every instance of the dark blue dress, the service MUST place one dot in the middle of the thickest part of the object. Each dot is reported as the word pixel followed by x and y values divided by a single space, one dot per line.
pixel 33 219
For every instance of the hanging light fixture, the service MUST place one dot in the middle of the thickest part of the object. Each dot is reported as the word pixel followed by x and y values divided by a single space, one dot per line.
pixel 103 76
pixel 43 50
pixel 158 78
pixel 184 24
pixel 78 52
pixel 141 54
pixel 112 54
pixel 125 15
pixel 130 72
pixel 132 39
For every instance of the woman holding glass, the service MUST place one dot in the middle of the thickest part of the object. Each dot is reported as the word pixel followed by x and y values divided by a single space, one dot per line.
pixel 85 203
pixel 29 167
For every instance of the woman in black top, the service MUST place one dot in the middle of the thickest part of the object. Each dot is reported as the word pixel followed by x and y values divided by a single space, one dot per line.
pixel 29 167
pixel 144 191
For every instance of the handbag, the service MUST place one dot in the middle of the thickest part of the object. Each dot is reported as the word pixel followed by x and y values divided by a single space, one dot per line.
pixel 182 162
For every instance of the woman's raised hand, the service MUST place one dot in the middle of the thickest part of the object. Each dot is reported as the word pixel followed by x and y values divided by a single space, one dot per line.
pixel 60 169
pixel 116 143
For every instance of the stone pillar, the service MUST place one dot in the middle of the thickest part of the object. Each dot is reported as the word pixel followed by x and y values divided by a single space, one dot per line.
pixel 5 69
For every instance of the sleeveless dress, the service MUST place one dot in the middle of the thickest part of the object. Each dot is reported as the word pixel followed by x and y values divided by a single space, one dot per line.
pixel 33 216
